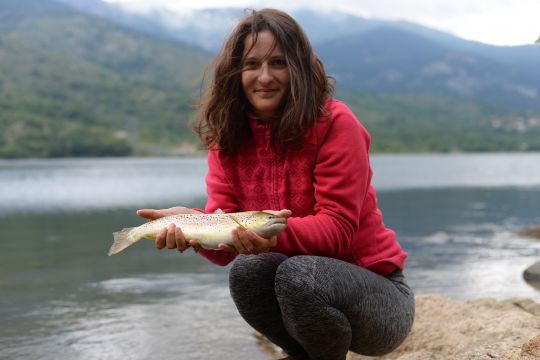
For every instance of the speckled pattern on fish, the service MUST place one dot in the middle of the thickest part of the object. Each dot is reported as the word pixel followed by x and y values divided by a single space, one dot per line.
pixel 209 230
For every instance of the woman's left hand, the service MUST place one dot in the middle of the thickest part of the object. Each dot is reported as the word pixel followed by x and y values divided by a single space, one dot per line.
pixel 248 242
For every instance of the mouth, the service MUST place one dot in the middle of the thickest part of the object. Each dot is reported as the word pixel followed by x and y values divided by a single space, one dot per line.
pixel 266 90
pixel 277 220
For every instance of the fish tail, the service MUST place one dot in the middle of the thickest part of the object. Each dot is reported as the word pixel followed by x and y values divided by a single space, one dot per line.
pixel 122 240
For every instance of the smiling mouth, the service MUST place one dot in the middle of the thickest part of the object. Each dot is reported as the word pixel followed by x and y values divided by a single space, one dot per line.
pixel 266 90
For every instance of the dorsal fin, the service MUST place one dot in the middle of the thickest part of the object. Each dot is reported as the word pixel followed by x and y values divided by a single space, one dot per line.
pixel 219 211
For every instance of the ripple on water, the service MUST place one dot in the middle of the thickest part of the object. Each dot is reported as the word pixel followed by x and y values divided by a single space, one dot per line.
pixel 151 316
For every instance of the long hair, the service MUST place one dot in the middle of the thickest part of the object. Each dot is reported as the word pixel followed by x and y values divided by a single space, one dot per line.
pixel 223 116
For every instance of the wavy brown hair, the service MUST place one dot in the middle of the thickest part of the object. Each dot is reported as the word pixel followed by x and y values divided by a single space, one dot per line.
pixel 223 117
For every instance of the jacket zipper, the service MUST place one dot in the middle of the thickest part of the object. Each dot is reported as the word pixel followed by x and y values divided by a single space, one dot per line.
pixel 273 169
pixel 267 136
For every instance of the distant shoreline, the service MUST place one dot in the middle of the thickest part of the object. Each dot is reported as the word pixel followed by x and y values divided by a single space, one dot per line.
pixel 202 153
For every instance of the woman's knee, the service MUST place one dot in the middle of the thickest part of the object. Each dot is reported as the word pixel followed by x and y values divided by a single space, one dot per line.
pixel 255 269
pixel 296 277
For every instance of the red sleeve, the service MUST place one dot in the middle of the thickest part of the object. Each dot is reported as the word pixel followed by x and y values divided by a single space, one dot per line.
pixel 342 176
pixel 220 196
pixel 220 192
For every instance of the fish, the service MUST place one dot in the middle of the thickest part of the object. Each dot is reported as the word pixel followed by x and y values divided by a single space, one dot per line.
pixel 209 230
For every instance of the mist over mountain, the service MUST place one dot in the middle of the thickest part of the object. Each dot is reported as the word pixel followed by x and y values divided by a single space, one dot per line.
pixel 370 54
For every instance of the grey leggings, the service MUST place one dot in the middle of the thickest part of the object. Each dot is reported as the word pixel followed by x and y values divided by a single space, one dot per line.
pixel 319 308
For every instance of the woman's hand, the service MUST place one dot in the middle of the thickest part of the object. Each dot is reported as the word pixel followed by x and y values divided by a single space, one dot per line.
pixel 248 242
pixel 286 213
pixel 171 236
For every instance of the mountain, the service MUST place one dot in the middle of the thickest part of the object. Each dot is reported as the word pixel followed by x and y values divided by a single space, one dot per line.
pixel 192 27
pixel 389 60
pixel 55 27
pixel 373 55
pixel 75 85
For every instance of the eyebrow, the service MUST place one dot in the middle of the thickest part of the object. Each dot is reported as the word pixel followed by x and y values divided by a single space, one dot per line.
pixel 251 57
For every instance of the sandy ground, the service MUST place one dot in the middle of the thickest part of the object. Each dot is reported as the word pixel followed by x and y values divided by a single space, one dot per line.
pixel 478 329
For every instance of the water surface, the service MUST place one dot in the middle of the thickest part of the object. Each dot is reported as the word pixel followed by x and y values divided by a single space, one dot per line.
pixel 62 297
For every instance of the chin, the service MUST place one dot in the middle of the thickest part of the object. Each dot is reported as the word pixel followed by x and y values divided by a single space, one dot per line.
pixel 267 111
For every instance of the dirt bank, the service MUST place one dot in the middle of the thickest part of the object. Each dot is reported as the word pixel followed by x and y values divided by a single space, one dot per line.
pixel 478 329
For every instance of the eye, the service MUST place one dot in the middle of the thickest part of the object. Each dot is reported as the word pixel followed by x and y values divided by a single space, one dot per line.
pixel 278 63
pixel 250 64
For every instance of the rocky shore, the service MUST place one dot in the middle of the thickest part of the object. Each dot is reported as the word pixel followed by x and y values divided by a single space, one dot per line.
pixel 446 329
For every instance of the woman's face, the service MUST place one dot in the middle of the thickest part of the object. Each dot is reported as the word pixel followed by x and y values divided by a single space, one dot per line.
pixel 265 75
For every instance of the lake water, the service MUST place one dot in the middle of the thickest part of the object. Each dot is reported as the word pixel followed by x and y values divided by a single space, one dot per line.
pixel 61 297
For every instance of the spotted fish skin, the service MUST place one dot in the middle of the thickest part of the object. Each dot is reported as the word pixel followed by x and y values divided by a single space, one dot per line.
pixel 209 230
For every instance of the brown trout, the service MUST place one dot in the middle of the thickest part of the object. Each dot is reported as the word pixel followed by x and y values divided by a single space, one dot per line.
pixel 209 230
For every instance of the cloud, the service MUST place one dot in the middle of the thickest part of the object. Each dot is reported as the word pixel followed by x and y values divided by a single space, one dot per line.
pixel 502 22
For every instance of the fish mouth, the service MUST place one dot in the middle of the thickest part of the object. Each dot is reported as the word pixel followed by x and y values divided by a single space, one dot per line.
pixel 277 220
pixel 272 227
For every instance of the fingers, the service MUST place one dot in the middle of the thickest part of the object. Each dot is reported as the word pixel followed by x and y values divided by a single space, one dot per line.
pixel 161 239
pixel 283 212
pixel 239 242
pixel 181 242
pixel 153 214
pixel 195 245
pixel 286 213
pixel 247 242
pixel 150 214
pixel 227 248
pixel 171 237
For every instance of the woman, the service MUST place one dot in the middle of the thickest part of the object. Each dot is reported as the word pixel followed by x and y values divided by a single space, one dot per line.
pixel 332 281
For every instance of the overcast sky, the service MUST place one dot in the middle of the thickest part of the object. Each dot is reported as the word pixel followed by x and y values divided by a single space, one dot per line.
pixel 499 22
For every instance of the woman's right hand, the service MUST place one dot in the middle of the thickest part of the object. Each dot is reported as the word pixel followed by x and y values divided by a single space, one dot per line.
pixel 171 236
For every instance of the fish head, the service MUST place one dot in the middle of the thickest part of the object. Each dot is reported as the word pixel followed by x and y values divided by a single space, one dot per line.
pixel 265 224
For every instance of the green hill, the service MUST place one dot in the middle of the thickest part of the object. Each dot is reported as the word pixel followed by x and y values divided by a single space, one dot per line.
pixel 73 85
pixel 415 123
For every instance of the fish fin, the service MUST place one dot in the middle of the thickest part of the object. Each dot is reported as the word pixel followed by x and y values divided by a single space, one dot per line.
pixel 236 221
pixel 219 211
pixel 121 241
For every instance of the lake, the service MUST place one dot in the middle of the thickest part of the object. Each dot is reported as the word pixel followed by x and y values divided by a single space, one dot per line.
pixel 62 298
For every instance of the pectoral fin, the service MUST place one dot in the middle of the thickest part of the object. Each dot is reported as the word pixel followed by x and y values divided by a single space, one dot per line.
pixel 236 221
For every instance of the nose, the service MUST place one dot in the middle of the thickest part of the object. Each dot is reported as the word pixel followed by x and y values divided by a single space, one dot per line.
pixel 265 74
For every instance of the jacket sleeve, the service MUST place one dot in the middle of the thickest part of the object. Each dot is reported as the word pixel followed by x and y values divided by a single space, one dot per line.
pixel 342 177
pixel 220 196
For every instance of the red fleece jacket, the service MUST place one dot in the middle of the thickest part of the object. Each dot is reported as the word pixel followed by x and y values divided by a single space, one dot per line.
pixel 326 184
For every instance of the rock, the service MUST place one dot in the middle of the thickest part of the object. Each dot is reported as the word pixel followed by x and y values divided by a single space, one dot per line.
pixel 532 273
pixel 532 347
pixel 532 232
pixel 528 305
